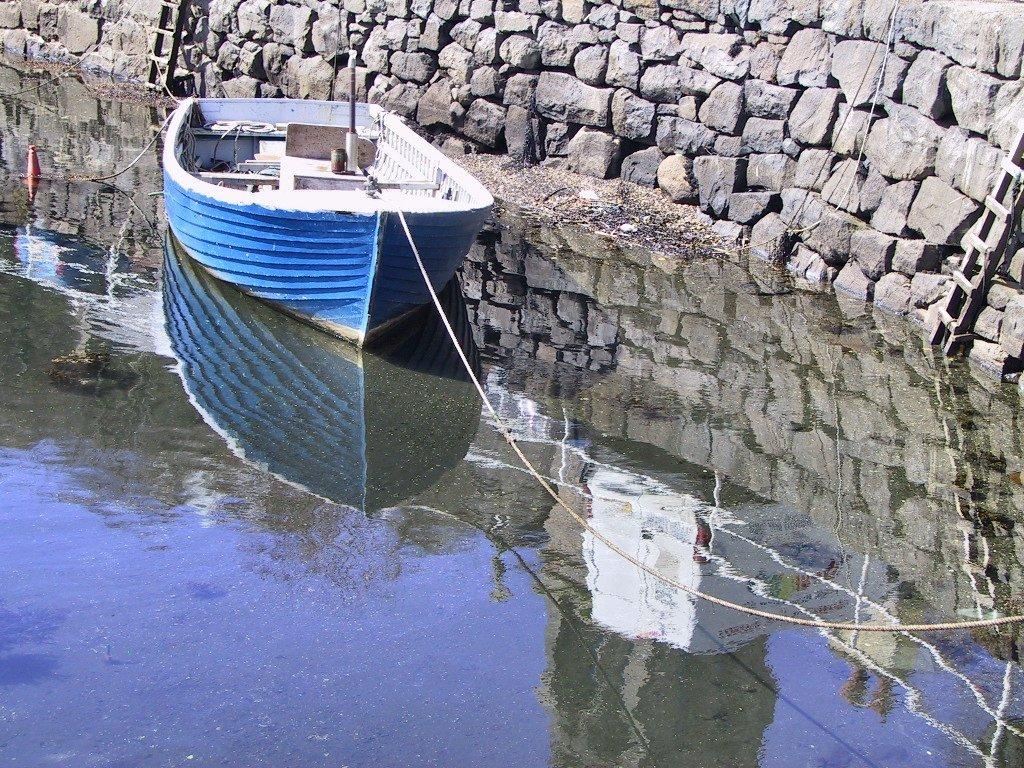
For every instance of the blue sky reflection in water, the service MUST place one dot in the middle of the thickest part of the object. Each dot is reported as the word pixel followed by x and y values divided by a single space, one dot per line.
pixel 179 584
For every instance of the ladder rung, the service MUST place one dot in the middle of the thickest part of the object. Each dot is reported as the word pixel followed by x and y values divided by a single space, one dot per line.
pixel 955 340
pixel 975 242
pixel 997 208
pixel 1012 168
pixel 167 4
pixel 962 280
pixel 946 318
pixel 162 31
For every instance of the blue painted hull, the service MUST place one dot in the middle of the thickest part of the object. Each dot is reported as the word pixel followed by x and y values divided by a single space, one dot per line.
pixel 351 274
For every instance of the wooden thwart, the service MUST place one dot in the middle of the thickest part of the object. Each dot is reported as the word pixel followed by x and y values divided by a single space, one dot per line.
pixel 950 322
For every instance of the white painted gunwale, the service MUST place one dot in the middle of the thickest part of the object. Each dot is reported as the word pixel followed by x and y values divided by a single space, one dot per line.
pixel 313 201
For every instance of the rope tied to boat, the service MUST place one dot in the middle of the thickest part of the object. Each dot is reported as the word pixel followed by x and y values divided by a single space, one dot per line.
pixel 506 432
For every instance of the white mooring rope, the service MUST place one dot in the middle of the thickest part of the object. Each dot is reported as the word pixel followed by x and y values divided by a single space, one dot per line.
pixel 582 521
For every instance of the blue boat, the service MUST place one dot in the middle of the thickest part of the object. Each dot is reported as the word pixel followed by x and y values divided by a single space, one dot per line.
pixel 314 411
pixel 297 203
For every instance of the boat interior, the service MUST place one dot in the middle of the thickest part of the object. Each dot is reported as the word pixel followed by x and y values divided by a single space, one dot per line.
pixel 286 146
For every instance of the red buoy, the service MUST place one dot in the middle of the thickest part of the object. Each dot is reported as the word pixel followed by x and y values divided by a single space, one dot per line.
pixel 32 170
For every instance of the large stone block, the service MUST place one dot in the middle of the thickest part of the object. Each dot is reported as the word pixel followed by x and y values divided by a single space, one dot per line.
pixel 520 89
pixel 668 83
pixel 824 228
pixel 591 64
pixel 632 117
pixel 563 98
pixel 871 192
pixel 928 287
pixel 772 172
pixel 1011 333
pixel 435 108
pixel 940 213
pixel 904 145
pixel 557 138
pixel 891 214
pixel 724 55
pixel 661 43
pixel 623 66
pixel 814 168
pixel 807 60
pixel 763 136
pixel 76 30
pixel 893 294
pixel 770 239
pixel 925 86
pixel 675 134
pixel 466 33
pixel 843 188
pixel 1008 116
pixel 519 51
pixel 558 44
pixel 852 281
pixel 778 17
pixel 723 108
pixel 455 60
pixel 769 101
pixel 515 21
pixel 969 164
pixel 595 153
pixel 973 96
pixel 814 115
pixel 717 178
pixel 484 122
pixel 873 252
pixel 293 25
pixel 434 36
pixel 749 207
pixel 988 323
pixel 486 49
pixel 808 264
pixel 851 130
pixel 485 82
pixel 642 167
pixel 986 35
pixel 315 76
pixel 522 135
pixel 842 17
pixel 252 19
pixel 913 256
pixel 417 67
pixel 858 65
pixel 676 179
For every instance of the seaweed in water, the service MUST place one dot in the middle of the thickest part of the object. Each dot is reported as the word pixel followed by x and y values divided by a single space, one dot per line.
pixel 88 372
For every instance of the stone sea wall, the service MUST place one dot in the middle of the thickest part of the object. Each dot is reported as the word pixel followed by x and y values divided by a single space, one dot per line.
pixel 832 409
pixel 853 139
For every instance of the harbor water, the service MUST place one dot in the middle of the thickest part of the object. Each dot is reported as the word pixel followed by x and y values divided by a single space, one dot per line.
pixel 230 540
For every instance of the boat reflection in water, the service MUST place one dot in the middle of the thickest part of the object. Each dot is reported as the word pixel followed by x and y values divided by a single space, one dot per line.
pixel 361 428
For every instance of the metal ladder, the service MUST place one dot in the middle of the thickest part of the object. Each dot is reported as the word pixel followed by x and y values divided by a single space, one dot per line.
pixel 951 321
pixel 163 56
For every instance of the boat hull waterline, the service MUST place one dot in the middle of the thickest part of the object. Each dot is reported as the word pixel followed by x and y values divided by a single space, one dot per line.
pixel 337 259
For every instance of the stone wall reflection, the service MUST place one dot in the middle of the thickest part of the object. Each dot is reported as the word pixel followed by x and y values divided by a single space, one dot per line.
pixel 80 135
pixel 847 418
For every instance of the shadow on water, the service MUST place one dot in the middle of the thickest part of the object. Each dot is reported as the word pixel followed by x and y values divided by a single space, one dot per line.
pixel 268 547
